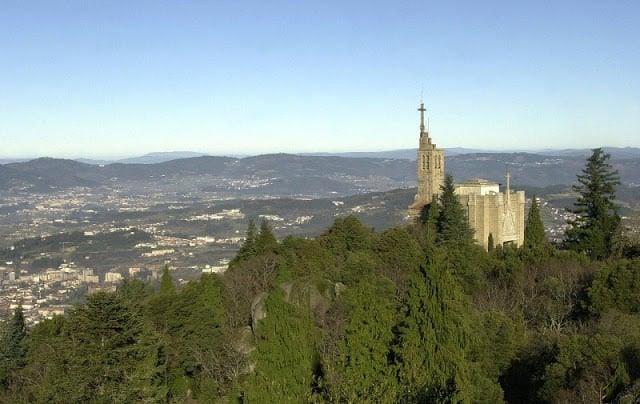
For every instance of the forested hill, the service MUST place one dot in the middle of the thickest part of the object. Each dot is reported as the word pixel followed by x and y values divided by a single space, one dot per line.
pixel 343 175
pixel 411 315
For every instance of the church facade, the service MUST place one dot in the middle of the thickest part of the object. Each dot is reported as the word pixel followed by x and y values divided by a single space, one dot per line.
pixel 491 213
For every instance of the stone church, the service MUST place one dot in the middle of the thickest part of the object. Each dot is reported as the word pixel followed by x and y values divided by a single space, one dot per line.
pixel 489 211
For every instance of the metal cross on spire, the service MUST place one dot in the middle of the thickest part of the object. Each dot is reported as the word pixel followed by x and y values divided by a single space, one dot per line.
pixel 422 111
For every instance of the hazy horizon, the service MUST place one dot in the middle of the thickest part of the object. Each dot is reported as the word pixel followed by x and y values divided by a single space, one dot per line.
pixel 191 153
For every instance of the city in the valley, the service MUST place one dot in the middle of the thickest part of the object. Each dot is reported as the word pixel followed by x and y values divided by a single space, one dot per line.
pixel 68 228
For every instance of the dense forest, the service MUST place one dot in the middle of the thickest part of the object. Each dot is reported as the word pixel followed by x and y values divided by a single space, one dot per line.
pixel 414 314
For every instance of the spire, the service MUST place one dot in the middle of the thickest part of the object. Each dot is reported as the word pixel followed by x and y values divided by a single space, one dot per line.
pixel 508 193
pixel 422 110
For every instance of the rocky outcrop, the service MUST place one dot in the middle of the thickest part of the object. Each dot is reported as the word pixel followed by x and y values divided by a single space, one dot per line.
pixel 258 310
pixel 317 294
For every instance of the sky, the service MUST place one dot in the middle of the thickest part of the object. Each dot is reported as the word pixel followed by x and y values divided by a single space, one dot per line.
pixel 106 79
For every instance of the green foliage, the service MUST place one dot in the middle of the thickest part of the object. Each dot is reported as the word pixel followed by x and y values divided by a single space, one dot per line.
pixel 101 353
pixel 466 263
pixel 349 244
pixel 415 314
pixel 400 255
pixel 358 265
pixel 499 339
pixel 625 327
pixel 347 234
pixel 195 330
pixel 134 291
pixel 12 348
pixel 266 241
pixel 617 286
pixel 304 257
pixel 248 248
pixel 586 369
pixel 426 229
pixel 167 287
pixel 286 360
pixel 198 311
pixel 452 223
pixel 102 337
pixel 159 305
pixel 362 370
pixel 597 222
pixel 434 341
pixel 43 364
pixel 534 229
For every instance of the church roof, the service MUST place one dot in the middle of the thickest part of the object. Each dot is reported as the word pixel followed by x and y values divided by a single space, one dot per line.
pixel 477 181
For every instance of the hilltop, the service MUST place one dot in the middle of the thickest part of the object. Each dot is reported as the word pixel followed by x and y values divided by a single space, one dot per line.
pixel 306 175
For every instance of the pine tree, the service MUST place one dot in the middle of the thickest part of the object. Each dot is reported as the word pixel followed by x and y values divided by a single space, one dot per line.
pixel 597 220
pixel 266 241
pixel 248 248
pixel 534 229
pixel 399 254
pixel 103 353
pixel 196 335
pixel 166 283
pixel 430 221
pixel 12 350
pixel 159 306
pixel 452 223
pixel 346 234
pixel 433 340
pixel 285 356
pixel 134 291
pixel 363 369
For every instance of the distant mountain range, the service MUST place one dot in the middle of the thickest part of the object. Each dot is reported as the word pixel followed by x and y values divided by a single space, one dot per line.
pixel 616 152
pixel 409 154
pixel 44 174
pixel 288 174
pixel 149 158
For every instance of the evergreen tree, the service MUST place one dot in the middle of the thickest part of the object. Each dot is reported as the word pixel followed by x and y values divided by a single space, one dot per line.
pixel 195 332
pixel 248 249
pixel 166 283
pixel 431 212
pixel 433 341
pixel 597 221
pixel 452 223
pixel 103 354
pixel 400 255
pixel 363 369
pixel 534 229
pixel 158 307
pixel 346 234
pixel 43 368
pixel 587 368
pixel 134 291
pixel 266 241
pixel 285 357
pixel 617 286
pixel 12 349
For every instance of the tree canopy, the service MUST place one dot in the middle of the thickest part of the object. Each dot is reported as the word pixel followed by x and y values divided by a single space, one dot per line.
pixel 413 314
pixel 452 222
pixel 597 222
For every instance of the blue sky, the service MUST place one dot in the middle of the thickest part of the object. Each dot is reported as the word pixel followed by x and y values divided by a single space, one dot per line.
pixel 121 78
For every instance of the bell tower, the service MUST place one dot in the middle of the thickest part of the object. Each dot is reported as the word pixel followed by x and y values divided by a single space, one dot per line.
pixel 430 165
